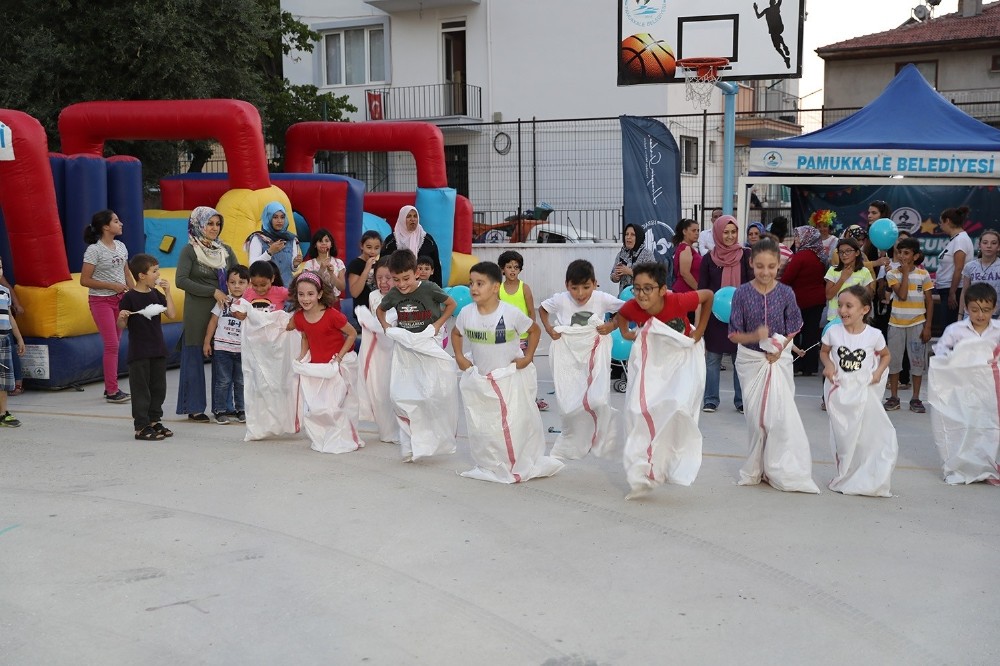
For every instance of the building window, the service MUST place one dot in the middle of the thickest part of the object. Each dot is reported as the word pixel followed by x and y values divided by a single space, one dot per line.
pixel 927 68
pixel 712 147
pixel 355 56
pixel 995 64
pixel 689 154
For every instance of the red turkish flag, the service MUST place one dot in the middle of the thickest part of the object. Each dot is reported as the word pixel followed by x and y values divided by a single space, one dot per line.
pixel 374 106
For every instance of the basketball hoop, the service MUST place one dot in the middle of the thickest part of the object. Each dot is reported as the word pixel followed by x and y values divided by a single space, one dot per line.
pixel 700 76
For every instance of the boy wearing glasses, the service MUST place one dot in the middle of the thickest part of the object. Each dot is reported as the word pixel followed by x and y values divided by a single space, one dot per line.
pixel 652 299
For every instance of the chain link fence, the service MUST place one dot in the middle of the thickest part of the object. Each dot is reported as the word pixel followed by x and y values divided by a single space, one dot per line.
pixel 574 166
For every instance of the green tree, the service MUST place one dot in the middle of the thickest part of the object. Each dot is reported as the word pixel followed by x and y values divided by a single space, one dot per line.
pixel 68 51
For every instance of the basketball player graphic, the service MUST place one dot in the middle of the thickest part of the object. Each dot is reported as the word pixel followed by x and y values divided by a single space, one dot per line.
pixel 775 27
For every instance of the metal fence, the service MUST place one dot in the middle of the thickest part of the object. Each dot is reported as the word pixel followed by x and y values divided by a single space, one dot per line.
pixel 575 165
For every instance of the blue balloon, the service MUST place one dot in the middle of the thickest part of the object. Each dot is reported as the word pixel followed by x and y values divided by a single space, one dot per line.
pixel 835 320
pixel 883 233
pixel 620 347
pixel 462 297
pixel 722 305
pixel 626 293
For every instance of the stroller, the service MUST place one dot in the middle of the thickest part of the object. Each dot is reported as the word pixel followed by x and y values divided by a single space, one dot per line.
pixel 619 375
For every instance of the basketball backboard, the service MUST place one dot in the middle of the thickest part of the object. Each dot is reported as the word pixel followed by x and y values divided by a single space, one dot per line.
pixel 762 40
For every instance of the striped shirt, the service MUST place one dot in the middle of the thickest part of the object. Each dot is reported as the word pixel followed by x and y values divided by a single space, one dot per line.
pixel 912 311
pixel 5 310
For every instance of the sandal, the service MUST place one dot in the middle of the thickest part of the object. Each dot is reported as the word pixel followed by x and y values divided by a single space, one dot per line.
pixel 162 429
pixel 18 390
pixel 148 434
pixel 917 406
pixel 542 405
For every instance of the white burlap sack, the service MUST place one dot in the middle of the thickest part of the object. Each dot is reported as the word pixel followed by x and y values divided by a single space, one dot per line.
pixel 581 372
pixel 964 394
pixel 779 448
pixel 424 394
pixel 505 428
pixel 330 404
pixel 374 373
pixel 861 435
pixel 270 387
pixel 666 384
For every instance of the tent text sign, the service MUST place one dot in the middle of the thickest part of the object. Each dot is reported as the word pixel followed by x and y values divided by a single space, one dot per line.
pixel 866 162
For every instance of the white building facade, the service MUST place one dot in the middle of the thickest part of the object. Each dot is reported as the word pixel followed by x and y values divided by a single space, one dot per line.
pixel 477 67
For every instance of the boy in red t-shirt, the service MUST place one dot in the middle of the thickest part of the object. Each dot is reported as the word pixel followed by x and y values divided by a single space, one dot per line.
pixel 652 299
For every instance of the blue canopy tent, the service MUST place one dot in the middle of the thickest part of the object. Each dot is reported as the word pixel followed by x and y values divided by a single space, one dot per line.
pixel 910 147
pixel 908 130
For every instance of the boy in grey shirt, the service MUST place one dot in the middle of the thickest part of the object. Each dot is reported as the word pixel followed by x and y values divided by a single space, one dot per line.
pixel 418 304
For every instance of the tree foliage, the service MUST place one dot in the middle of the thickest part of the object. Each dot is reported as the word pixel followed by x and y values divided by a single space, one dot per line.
pixel 59 52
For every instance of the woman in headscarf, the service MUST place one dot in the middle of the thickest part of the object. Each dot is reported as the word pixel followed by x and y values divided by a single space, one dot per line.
pixel 805 274
pixel 727 265
pixel 274 242
pixel 408 234
pixel 201 274
pixel 755 231
pixel 634 251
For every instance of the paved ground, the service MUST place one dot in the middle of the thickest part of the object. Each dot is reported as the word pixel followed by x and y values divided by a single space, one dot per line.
pixel 206 549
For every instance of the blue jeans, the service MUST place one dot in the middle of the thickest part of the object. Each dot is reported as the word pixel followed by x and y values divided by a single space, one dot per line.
pixel 227 381
pixel 15 365
pixel 713 362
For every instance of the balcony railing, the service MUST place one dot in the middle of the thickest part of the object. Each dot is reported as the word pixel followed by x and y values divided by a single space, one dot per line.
pixel 442 100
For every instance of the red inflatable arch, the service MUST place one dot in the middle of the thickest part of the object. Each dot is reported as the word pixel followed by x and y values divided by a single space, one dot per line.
pixel 28 200
pixel 235 124
pixel 423 140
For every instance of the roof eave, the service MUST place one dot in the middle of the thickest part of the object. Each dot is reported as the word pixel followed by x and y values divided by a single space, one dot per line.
pixel 848 53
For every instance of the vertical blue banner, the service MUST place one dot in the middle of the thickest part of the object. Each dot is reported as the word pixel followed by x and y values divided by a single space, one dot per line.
pixel 651 182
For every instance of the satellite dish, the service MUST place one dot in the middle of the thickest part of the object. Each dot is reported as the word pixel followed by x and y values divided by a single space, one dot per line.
pixel 920 12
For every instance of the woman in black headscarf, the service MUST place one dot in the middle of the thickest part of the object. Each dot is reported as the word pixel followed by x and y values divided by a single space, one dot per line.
pixel 634 251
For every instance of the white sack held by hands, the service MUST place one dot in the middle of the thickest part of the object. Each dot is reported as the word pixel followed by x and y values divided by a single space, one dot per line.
pixel 329 403
pixel 581 371
pixel 861 435
pixel 505 428
pixel 666 384
pixel 374 373
pixel 270 386
pixel 424 394
pixel 964 395
pixel 779 448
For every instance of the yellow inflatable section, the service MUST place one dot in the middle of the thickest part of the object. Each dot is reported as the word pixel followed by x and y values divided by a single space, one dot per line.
pixel 241 211
pixel 62 311
pixel 460 265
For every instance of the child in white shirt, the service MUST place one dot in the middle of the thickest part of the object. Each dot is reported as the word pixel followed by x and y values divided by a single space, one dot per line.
pixel 579 302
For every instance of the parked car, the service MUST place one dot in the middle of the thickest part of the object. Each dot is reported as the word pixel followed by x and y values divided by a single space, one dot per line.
pixel 559 232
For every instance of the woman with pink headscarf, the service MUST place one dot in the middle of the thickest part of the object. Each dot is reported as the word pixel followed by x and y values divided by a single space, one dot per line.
pixel 408 234
pixel 727 265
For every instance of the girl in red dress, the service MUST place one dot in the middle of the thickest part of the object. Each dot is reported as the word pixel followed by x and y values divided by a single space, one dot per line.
pixel 326 333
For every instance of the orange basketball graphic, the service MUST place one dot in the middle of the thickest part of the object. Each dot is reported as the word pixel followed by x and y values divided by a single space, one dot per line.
pixel 645 59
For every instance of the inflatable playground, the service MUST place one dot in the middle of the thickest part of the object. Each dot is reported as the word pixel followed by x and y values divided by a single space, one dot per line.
pixel 47 199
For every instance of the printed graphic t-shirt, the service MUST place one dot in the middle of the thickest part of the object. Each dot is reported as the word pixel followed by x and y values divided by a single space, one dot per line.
pixel 419 308
pixel 494 337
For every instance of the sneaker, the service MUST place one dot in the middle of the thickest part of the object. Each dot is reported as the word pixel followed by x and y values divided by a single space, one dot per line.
pixel 199 418
pixel 822 405
pixel 221 419
pixel 892 404
pixel 118 398
pixel 917 406
pixel 709 408
pixel 241 417
pixel 542 405
pixel 8 421
pixel 739 408
pixel 905 387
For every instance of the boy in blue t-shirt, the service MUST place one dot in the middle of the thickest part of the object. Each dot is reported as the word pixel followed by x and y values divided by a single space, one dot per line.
pixel 8 327
pixel 147 352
